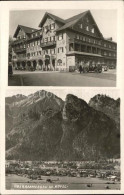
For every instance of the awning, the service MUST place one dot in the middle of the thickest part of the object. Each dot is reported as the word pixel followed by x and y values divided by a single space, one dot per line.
pixel 70 53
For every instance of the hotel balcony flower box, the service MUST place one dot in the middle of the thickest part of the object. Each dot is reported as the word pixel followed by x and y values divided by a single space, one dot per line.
pixel 47 44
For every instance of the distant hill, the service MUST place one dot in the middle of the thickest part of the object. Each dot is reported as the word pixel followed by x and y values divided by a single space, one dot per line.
pixel 107 105
pixel 44 127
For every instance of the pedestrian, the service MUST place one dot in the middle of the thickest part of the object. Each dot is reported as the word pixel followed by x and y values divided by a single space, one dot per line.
pixel 80 69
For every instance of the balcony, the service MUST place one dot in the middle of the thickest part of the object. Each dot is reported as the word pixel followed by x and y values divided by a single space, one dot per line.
pixel 16 42
pixel 35 37
pixel 47 44
pixel 19 50
pixel 72 53
pixel 76 47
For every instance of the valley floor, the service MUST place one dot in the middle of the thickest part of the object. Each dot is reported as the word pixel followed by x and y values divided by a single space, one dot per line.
pixel 59 183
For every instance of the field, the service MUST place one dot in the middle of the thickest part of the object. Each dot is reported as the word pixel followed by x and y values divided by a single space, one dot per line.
pixel 59 183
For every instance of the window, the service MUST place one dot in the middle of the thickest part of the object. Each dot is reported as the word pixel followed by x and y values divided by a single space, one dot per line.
pixel 28 46
pixel 84 38
pixel 87 19
pixel 81 25
pixel 87 28
pixel 104 44
pixel 49 39
pixel 39 52
pixel 24 46
pixel 60 49
pixel 52 51
pixel 105 53
pixel 92 30
pixel 60 37
pixel 36 34
pixel 52 26
pixel 59 62
pixel 46 40
pixel 46 29
pixel 38 42
pixel 109 54
pixel 53 38
pixel 77 37
pixel 109 46
pixel 46 51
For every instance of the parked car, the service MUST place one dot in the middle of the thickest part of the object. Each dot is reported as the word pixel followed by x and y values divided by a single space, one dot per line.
pixel 104 67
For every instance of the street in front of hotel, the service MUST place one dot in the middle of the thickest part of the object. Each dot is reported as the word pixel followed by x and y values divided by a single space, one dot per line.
pixel 28 78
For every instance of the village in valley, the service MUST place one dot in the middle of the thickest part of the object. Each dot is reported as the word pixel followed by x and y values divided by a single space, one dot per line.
pixel 84 173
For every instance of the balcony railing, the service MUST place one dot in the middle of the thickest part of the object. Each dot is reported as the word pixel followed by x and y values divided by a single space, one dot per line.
pixel 19 58
pixel 78 41
pixel 19 50
pixel 33 38
pixel 46 44
pixel 19 41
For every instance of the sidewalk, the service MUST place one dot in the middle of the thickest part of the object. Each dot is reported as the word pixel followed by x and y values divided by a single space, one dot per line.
pixel 14 80
pixel 17 72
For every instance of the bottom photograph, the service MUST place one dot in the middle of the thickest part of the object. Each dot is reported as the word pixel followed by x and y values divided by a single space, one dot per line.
pixel 62 139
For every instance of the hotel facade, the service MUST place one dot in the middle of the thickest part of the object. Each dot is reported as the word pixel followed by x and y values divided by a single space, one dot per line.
pixel 62 44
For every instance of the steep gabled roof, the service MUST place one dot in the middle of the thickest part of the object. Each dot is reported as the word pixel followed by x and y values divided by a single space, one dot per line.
pixel 68 25
pixel 70 22
pixel 55 18
pixel 26 29
pixel 78 16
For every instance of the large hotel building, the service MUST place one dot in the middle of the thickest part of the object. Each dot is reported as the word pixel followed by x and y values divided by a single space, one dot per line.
pixel 62 44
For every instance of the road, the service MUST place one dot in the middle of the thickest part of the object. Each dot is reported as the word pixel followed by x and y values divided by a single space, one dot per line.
pixel 58 183
pixel 26 78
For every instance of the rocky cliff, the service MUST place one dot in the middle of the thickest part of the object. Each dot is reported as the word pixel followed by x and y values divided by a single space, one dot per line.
pixel 46 128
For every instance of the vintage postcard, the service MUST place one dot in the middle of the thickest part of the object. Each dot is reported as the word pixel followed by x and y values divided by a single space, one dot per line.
pixel 61 97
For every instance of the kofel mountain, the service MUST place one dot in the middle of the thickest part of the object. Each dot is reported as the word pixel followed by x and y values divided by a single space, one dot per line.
pixel 42 126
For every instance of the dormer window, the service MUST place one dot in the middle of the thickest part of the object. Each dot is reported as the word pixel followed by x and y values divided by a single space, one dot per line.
pixel 52 26
pixel 60 37
pixel 92 30
pixel 81 25
pixel 46 29
pixel 77 36
pixel 87 28
pixel 87 19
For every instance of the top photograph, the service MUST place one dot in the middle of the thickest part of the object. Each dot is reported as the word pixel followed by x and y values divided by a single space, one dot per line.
pixel 62 48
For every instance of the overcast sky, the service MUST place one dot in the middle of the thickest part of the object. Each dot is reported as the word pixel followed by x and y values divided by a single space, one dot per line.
pixel 83 93
pixel 105 19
